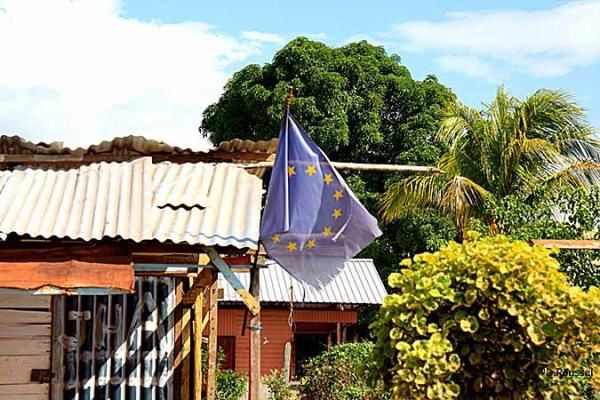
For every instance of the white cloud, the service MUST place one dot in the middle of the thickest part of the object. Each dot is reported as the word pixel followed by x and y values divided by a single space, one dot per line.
pixel 542 43
pixel 469 65
pixel 78 71
pixel 263 37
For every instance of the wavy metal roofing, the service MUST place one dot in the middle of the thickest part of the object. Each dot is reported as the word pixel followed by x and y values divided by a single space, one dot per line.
pixel 357 283
pixel 129 145
pixel 249 146
pixel 192 203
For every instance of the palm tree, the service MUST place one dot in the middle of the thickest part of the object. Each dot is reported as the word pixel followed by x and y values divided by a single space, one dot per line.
pixel 511 147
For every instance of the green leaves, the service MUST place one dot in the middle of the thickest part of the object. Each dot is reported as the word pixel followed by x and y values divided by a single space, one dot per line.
pixel 511 147
pixel 502 312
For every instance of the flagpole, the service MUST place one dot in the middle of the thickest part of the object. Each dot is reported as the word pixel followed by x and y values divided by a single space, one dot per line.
pixel 288 99
pixel 255 322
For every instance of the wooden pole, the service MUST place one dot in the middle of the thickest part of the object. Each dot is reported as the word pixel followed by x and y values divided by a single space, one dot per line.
pixel 198 308
pixel 362 167
pixel 58 326
pixel 567 244
pixel 213 294
pixel 338 333
pixel 186 328
pixel 255 336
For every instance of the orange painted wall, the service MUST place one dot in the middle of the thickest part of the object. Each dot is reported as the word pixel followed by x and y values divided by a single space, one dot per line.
pixel 275 329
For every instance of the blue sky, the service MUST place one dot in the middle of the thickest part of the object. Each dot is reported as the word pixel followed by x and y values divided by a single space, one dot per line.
pixel 336 22
pixel 93 69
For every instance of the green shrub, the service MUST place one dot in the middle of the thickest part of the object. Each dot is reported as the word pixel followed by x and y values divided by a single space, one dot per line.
pixel 231 385
pixel 488 319
pixel 278 385
pixel 340 374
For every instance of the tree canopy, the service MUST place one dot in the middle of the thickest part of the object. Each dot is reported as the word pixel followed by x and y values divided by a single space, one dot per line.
pixel 356 102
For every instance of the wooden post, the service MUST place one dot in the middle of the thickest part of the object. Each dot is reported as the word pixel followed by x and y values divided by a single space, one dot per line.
pixel 255 337
pixel 198 308
pixel 345 333
pixel 186 346
pixel 182 336
pixel 338 333
pixel 213 294
pixel 58 327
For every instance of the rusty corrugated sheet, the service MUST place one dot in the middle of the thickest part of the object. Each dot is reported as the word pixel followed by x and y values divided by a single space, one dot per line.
pixel 357 283
pixel 66 275
pixel 183 203
pixel 128 145
pixel 248 146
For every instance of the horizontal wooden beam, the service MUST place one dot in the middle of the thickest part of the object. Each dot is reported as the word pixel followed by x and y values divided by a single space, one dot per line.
pixel 567 244
pixel 363 167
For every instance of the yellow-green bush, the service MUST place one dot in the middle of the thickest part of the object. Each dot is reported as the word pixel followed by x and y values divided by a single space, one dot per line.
pixel 488 319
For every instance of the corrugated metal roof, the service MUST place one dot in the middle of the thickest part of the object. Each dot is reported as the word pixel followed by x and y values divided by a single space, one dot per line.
pixel 129 145
pixel 249 146
pixel 357 283
pixel 193 203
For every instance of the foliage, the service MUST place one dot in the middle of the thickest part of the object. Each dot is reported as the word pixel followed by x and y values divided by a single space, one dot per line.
pixel 231 385
pixel 278 385
pixel 511 147
pixel 358 103
pixel 485 319
pixel 571 214
pixel 339 374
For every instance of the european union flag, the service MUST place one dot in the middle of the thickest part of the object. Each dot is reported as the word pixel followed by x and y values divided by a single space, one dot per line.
pixel 312 222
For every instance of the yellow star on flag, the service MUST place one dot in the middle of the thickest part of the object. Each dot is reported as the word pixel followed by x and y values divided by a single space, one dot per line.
pixel 338 194
pixel 291 170
pixel 276 238
pixel 310 244
pixel 311 170
pixel 292 247
pixel 328 179
pixel 337 213
pixel 327 231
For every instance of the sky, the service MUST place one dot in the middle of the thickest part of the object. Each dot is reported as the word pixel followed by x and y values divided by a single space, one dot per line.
pixel 82 71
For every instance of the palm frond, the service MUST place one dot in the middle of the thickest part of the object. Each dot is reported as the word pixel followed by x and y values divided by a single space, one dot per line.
pixel 582 149
pixel 459 121
pixel 408 193
pixel 461 194
pixel 553 115
pixel 584 174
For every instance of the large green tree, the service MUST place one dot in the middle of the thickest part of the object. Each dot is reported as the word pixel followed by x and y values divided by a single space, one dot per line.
pixel 511 147
pixel 358 103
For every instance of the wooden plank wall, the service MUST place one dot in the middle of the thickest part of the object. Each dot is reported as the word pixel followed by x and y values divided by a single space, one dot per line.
pixel 25 323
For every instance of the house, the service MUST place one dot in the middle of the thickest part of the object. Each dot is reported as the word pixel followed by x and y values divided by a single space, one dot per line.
pixel 108 271
pixel 307 318
pixel 104 287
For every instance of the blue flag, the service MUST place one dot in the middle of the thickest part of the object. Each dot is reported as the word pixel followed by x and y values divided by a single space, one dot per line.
pixel 312 222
